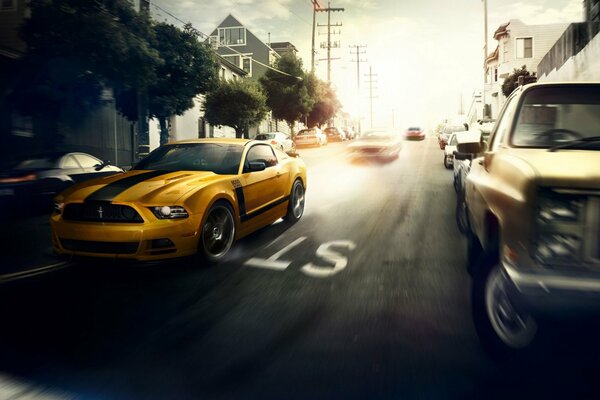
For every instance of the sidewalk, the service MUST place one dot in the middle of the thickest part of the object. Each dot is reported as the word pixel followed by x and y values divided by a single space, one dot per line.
pixel 26 244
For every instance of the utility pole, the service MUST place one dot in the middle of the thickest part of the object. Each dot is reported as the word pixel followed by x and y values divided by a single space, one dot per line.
pixel 485 54
pixel 316 6
pixel 329 45
pixel 357 53
pixel 371 82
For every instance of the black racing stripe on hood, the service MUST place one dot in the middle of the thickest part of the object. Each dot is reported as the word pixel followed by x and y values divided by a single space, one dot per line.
pixel 112 190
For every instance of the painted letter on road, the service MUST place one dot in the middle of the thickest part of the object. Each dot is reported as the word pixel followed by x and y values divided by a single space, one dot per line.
pixel 326 253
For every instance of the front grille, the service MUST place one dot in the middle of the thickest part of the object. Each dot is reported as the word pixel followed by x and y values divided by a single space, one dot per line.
pixel 100 247
pixel 101 212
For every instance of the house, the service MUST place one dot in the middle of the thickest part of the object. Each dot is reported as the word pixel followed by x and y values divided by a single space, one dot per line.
pixel 238 45
pixel 518 44
pixel 282 48
pixel 576 54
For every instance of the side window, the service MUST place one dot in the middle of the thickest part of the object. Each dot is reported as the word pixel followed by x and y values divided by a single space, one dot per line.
pixel 504 124
pixel 261 153
pixel 87 161
pixel 69 162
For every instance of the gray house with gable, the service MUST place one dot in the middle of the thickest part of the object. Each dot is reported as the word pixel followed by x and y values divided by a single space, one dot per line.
pixel 235 43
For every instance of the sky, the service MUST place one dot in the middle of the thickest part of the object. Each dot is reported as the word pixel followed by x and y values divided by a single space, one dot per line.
pixel 426 55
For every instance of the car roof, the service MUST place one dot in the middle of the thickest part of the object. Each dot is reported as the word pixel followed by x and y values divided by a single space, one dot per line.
pixel 472 136
pixel 214 140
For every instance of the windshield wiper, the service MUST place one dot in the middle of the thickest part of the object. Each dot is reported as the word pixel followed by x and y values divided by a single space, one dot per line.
pixel 573 143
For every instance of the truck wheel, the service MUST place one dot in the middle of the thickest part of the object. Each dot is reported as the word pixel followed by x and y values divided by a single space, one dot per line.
pixel 506 332
pixel 462 216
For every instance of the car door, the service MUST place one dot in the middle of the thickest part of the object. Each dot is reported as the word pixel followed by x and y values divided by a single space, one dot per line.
pixel 480 182
pixel 261 188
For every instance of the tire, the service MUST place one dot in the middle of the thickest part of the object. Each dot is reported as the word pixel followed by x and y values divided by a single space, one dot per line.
pixel 217 233
pixel 474 252
pixel 506 333
pixel 462 215
pixel 446 164
pixel 295 203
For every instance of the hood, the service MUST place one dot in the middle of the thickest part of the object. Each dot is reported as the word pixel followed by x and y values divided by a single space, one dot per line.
pixel 563 168
pixel 141 186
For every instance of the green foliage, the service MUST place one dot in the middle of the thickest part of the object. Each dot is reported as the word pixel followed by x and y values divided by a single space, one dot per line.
pixel 326 103
pixel 75 48
pixel 189 68
pixel 511 82
pixel 239 104
pixel 288 96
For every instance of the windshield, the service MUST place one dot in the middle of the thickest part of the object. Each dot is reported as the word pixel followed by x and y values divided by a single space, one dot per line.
pixel 452 141
pixel 215 157
pixel 265 136
pixel 414 128
pixel 551 116
pixel 307 132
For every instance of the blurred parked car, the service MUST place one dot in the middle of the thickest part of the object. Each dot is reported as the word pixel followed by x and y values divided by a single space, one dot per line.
pixel 469 145
pixel 279 140
pixel 414 133
pixel 449 149
pixel 334 134
pixel 349 133
pixel 35 180
pixel 378 144
pixel 310 137
pixel 445 133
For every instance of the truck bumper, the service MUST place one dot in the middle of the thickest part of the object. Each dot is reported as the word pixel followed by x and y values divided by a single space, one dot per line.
pixel 550 294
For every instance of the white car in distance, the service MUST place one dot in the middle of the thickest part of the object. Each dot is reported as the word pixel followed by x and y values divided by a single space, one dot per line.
pixel 279 140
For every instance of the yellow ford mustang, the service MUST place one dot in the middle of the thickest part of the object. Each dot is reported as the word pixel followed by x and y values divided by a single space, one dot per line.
pixel 187 197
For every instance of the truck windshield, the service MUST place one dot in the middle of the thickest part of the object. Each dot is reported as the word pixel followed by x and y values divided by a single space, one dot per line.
pixel 555 115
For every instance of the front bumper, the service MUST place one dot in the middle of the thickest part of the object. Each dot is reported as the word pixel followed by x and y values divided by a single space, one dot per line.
pixel 142 242
pixel 551 293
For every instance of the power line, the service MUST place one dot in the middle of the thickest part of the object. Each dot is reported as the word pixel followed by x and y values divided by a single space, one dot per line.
pixel 357 53
pixel 371 82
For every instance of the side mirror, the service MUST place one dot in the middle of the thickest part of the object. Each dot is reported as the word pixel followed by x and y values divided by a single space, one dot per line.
pixel 254 166
pixel 99 167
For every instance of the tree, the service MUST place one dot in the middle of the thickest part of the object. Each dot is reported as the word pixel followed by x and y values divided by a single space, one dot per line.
pixel 511 82
pixel 287 93
pixel 326 104
pixel 75 50
pixel 239 104
pixel 189 68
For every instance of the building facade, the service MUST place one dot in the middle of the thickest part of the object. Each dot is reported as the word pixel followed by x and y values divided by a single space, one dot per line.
pixel 518 45
pixel 576 54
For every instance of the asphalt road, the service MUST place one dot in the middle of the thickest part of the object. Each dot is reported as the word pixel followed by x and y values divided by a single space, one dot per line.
pixel 367 296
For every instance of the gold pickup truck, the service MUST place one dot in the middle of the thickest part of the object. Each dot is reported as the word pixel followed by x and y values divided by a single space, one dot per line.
pixel 533 207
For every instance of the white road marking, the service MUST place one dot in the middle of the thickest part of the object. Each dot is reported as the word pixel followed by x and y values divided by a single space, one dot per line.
pixel 272 262
pixel 326 253
pixel 33 272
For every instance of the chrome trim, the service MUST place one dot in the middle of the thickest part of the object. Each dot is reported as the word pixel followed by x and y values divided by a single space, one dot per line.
pixel 548 282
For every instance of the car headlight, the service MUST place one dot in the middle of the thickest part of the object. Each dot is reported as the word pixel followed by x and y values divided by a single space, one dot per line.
pixel 560 226
pixel 169 212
